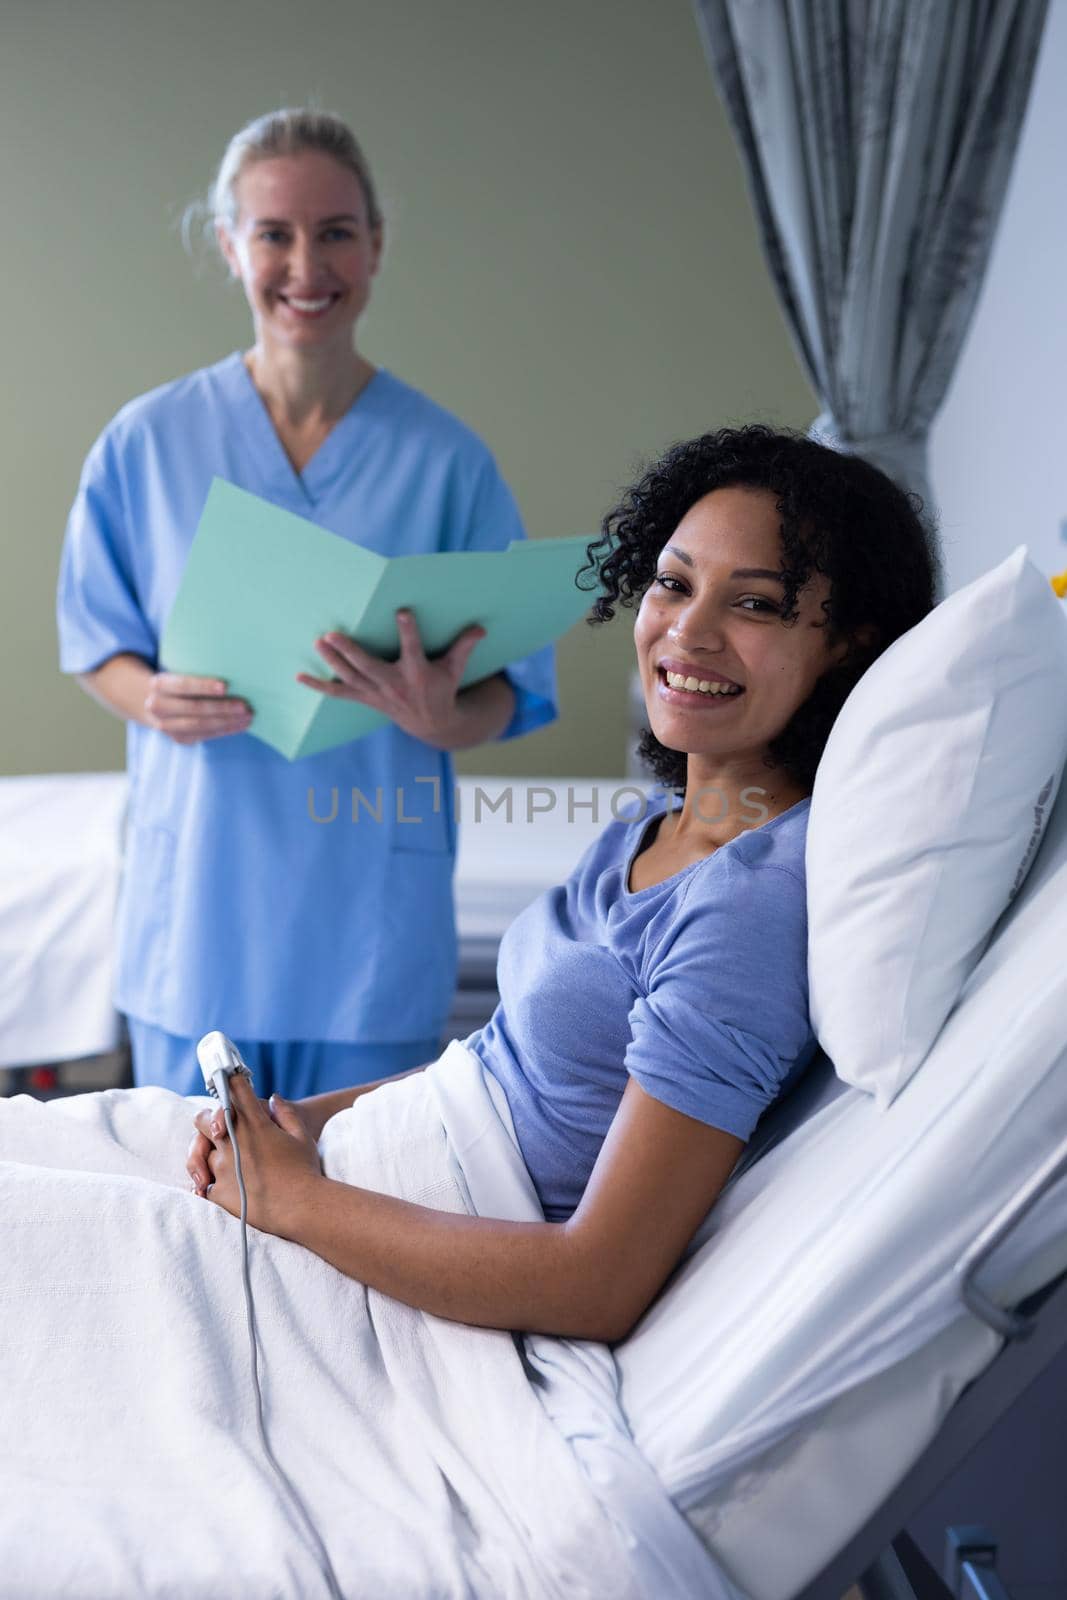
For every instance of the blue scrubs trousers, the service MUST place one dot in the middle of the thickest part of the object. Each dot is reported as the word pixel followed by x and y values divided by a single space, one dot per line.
pixel 292 1068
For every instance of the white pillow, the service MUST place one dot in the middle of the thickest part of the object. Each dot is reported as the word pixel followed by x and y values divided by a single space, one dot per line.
pixel 929 804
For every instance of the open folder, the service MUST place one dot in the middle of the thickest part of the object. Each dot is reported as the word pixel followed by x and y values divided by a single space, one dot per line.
pixel 261 585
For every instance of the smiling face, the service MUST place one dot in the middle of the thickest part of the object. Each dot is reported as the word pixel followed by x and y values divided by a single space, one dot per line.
pixel 711 618
pixel 303 248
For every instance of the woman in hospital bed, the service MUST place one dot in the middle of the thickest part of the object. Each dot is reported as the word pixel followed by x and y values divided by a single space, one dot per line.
pixel 655 1004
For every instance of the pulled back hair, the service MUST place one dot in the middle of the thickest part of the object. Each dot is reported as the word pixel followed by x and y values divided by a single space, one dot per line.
pixel 286 132
pixel 841 517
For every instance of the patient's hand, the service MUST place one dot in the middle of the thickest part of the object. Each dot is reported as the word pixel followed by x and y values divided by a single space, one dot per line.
pixel 201 1146
pixel 279 1157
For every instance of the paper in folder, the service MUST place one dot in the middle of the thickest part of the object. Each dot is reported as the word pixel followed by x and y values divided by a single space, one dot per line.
pixel 262 584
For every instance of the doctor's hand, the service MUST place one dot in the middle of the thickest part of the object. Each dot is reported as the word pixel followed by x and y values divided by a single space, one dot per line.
pixel 418 694
pixel 189 709
pixel 279 1156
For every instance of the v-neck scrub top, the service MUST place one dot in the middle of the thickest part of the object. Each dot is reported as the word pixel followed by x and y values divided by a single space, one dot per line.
pixel 259 895
pixel 696 986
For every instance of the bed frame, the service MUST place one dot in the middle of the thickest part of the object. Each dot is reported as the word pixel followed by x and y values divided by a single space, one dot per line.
pixel 881 1560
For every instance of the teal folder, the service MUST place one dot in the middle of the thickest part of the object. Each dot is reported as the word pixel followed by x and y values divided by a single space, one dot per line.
pixel 262 584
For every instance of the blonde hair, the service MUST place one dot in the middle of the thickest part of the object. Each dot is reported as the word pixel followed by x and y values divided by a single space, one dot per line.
pixel 279 133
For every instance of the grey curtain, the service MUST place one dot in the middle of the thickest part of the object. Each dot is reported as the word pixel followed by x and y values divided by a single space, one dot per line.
pixel 878 138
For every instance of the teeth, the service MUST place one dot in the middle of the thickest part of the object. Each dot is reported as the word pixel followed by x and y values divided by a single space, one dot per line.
pixel 702 685
pixel 309 305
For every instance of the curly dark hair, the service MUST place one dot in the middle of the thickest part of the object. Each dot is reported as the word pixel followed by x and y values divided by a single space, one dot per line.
pixel 841 516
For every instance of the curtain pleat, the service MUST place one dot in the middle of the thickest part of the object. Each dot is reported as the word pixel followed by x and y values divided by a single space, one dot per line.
pixel 877 138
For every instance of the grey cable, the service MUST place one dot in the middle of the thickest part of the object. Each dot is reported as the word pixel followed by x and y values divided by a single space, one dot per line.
pixel 325 1564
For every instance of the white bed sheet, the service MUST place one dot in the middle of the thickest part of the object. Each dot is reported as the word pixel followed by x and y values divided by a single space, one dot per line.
pixel 129 1458
pixel 811 1343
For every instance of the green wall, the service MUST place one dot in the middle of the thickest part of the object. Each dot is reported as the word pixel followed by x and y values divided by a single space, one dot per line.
pixel 572 268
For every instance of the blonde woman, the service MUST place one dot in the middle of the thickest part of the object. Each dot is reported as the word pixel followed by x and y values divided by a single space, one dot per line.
pixel 327 950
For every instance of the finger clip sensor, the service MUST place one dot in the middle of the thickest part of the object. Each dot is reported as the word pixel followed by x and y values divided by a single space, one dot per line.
pixel 219 1060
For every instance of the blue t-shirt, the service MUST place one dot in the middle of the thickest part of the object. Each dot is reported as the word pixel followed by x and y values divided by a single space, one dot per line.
pixel 260 895
pixel 697 986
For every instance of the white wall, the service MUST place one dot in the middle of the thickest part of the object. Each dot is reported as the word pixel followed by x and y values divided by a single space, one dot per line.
pixel 999 446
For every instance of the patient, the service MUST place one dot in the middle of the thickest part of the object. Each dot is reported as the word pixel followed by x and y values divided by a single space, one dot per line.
pixel 655 1004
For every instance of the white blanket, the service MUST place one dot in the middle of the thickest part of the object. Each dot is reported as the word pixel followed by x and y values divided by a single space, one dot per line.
pixel 130 1462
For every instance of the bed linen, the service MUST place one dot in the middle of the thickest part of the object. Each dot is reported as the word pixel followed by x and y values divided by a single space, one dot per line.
pixel 426 1458
pixel 801 1358
pixel 60 860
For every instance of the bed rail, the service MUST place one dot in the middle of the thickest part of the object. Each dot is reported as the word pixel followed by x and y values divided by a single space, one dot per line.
pixel 1011 1324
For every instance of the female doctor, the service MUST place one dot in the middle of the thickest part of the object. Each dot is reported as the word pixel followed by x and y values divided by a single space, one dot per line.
pixel 260 896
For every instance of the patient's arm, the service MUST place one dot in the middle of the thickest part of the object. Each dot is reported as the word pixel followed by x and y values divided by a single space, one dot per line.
pixel 591 1277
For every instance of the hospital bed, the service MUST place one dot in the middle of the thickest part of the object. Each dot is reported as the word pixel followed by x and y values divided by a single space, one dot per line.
pixel 836 1341
pixel 968 1164
pixel 799 1397
pixel 60 859
pixel 881 1558
pixel 830 1507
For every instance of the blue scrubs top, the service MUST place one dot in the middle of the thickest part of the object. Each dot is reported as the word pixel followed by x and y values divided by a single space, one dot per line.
pixel 259 895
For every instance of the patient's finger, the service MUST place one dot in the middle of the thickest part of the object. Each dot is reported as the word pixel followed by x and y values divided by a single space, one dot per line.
pixel 196 1161
pixel 243 1094
pixel 211 1123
